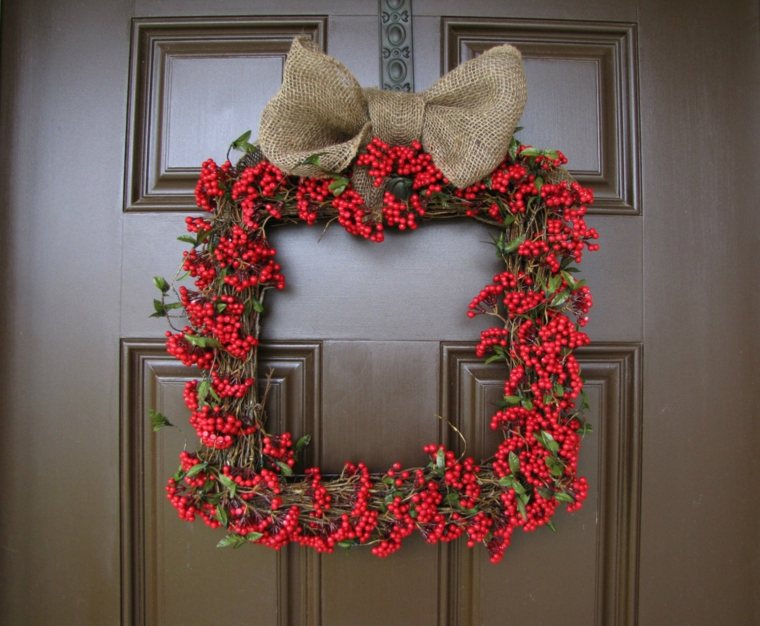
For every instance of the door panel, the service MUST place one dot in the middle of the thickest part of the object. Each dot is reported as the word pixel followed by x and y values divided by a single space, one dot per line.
pixel 111 108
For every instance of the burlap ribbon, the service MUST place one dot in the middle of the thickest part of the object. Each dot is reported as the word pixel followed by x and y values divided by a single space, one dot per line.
pixel 465 120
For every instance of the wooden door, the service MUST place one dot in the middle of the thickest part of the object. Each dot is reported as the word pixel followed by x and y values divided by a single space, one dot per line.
pixel 107 110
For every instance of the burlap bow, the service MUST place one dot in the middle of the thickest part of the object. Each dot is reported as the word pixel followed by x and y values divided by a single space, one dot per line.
pixel 465 120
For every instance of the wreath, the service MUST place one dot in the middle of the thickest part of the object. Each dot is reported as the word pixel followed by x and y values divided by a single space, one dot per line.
pixel 246 478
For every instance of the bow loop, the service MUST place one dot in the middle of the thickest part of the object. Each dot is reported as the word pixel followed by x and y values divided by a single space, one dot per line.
pixel 465 120
pixel 319 109
pixel 472 113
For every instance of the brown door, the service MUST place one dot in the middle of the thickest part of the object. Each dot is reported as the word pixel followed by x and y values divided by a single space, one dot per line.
pixel 107 110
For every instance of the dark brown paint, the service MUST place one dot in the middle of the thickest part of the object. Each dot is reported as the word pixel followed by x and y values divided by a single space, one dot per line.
pixel 369 344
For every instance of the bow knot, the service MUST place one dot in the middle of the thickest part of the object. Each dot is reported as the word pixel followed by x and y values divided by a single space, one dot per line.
pixel 465 121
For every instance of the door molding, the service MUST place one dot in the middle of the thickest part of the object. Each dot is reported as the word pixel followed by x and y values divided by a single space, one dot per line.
pixel 614 368
pixel 612 48
pixel 147 373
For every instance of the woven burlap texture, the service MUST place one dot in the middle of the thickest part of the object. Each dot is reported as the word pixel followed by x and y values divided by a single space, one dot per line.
pixel 465 120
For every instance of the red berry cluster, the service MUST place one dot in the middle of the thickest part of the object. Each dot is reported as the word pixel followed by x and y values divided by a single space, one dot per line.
pixel 512 290
pixel 310 196
pixel 181 348
pixel 385 161
pixel 504 193
pixel 221 318
pixel 243 477
pixel 411 170
pixel 355 217
pixel 249 260
pixel 255 188
pixel 568 235
pixel 279 449
pixel 211 184
pixel 217 428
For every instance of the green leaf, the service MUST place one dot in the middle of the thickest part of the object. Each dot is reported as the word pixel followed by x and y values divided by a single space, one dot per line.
pixel 202 236
pixel 220 307
pixel 440 459
pixel 158 420
pixel 242 143
pixel 521 508
pixel 548 399
pixel 196 469
pixel 213 393
pixel 253 537
pixel 584 400
pixel 493 358
pixel 452 499
pixel 161 284
pixel 338 185
pixel 554 283
pixel 221 515
pixel 549 442
pixel 561 496
pixel 285 468
pixel 527 405
pixel 312 159
pixel 584 430
pixel 160 309
pixel 514 462
pixel 529 152
pixel 231 541
pixel 550 524
pixel 513 146
pixel 519 488
pixel 506 481
pixel 559 390
pixel 539 182
pixel 203 389
pixel 499 245
pixel 188 239
pixel 202 342
pixel 302 443
pixel 257 305
pixel 555 466
pixel 514 244
pixel 570 279
pixel 513 400
pixel 346 544
pixel 173 305
pixel 243 138
pixel 560 299
pixel 230 484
